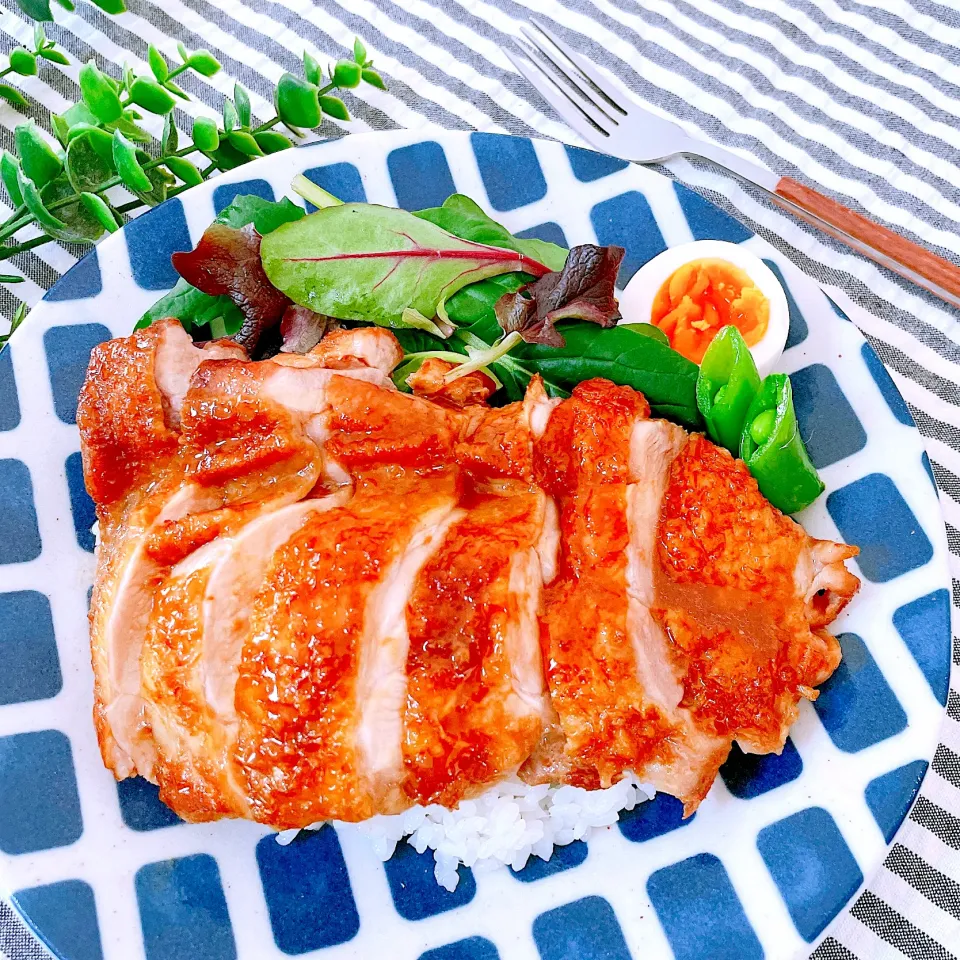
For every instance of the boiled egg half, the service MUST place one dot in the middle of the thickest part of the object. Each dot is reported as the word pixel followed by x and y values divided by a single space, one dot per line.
pixel 694 289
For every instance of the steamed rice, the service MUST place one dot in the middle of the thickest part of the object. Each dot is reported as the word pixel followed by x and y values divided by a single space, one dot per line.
pixel 504 826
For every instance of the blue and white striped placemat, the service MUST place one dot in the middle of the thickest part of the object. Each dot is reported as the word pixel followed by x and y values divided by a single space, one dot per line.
pixel 862 98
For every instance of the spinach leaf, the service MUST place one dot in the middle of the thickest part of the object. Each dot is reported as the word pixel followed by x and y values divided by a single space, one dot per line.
pixel 358 261
pixel 265 215
pixel 195 310
pixel 462 217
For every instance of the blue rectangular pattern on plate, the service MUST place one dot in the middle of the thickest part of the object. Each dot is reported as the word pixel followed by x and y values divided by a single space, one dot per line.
pixel 889 796
pixel 586 929
pixel 798 330
pixel 653 819
pixel 19 533
pixel 307 889
pixel 151 238
pixel 340 179
pixel 141 807
pixel 812 867
pixel 628 222
pixel 224 195
pixel 80 282
pixel 183 912
pixel 414 888
pixel 818 400
pixel 588 165
pixel 64 915
pixel 420 175
pixel 81 506
pixel 856 705
pixel 563 858
pixel 9 404
pixel 871 513
pixel 924 625
pixel 39 805
pixel 68 355
pixel 700 912
pixel 748 775
pixel 510 170
pixel 473 948
pixel 550 231
pixel 896 403
pixel 28 648
pixel 706 221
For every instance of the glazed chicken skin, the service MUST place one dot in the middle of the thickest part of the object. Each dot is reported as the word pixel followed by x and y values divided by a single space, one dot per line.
pixel 320 598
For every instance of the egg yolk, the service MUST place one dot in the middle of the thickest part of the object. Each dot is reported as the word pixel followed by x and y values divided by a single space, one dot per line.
pixel 702 296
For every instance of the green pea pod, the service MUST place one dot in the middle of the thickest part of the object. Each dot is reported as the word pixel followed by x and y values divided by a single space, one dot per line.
pixel 335 107
pixel 151 96
pixel 99 93
pixel 726 386
pixel 10 175
pixel 39 161
pixel 297 102
pixel 128 166
pixel 206 135
pixel 269 141
pixel 773 449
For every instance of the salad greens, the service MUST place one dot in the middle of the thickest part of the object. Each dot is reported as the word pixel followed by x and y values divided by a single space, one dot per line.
pixel 358 261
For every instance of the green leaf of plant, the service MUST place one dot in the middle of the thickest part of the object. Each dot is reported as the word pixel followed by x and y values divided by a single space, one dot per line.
pixel 54 56
pixel 11 278
pixel 23 62
pixel 204 62
pixel 228 157
pixel 346 74
pixel 158 65
pixel 359 51
pixel 205 135
pixel 175 90
pixel 373 78
pixel 358 261
pixel 242 101
pixel 265 215
pixel 169 139
pixel 40 162
pixel 464 218
pixel 311 70
pixel 99 209
pixel 39 37
pixel 193 309
pixel 61 129
pixel 244 143
pixel 67 224
pixel 160 182
pixel 90 160
pixel 130 130
pixel 128 166
pixel 12 95
pixel 182 50
pixel 151 96
pixel 128 77
pixel 335 107
pixel 269 141
pixel 36 9
pixel 111 6
pixel 297 102
pixel 67 5
pixel 185 170
pixel 80 113
pixel 99 93
pixel 10 175
pixel 230 117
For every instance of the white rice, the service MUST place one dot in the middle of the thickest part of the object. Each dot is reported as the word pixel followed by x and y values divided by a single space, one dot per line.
pixel 504 826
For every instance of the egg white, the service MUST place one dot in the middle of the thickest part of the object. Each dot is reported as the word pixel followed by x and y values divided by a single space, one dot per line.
pixel 636 301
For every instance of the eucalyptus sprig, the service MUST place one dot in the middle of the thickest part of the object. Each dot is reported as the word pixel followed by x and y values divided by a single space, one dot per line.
pixel 104 166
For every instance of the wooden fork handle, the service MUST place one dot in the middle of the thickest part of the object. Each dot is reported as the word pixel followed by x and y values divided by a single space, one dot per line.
pixel 887 248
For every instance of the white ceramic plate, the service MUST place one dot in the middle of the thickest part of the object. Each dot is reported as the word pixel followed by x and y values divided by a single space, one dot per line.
pixel 778 848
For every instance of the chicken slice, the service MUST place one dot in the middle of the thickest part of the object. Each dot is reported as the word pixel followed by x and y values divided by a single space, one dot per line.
pixel 606 725
pixel 744 593
pixel 475 699
pixel 333 594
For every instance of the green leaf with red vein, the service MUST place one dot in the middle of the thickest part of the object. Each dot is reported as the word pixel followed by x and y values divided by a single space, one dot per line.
pixel 358 261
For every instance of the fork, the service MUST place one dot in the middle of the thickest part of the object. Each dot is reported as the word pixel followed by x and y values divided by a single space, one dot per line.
pixel 607 116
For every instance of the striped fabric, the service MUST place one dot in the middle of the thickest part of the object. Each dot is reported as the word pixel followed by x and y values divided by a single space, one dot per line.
pixel 862 98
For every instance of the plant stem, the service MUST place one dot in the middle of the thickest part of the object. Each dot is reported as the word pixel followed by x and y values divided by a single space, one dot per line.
pixel 177 72
pixel 3 73
pixel 7 252
pixel 266 126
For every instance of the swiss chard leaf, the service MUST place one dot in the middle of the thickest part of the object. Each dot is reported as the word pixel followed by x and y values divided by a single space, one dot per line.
pixel 464 218
pixel 358 261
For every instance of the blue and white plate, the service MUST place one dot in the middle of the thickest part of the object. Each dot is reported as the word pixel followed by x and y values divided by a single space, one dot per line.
pixel 780 845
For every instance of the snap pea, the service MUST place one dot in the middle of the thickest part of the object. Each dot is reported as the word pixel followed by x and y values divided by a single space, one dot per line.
pixel 726 386
pixel 773 450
